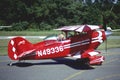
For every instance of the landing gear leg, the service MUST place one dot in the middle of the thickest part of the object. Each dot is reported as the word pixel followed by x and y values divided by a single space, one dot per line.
pixel 12 63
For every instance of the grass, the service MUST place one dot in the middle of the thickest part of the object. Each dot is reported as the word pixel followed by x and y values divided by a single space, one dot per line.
pixel 111 43
pixel 4 42
pixel 116 33
pixel 37 33
pixel 28 33
pixel 3 47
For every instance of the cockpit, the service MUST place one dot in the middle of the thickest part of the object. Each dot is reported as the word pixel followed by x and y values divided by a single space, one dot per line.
pixel 59 37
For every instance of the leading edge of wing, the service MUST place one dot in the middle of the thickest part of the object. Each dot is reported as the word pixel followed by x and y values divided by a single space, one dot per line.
pixel 78 28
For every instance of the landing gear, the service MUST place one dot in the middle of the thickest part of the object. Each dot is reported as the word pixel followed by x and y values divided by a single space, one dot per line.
pixel 96 60
pixel 13 63
pixel 10 64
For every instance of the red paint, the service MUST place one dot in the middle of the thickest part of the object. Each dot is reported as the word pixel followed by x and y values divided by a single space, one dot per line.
pixel 83 43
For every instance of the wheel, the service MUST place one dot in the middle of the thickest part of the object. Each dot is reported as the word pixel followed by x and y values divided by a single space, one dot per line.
pixel 10 64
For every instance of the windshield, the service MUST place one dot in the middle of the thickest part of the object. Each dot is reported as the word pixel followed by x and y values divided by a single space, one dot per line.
pixel 51 37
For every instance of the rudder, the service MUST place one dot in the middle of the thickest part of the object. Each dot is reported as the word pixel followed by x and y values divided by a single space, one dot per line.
pixel 17 46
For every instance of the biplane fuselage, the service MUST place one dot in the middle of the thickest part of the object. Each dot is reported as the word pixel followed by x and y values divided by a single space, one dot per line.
pixel 79 45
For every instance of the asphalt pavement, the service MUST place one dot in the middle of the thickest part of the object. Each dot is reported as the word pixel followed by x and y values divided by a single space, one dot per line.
pixel 62 69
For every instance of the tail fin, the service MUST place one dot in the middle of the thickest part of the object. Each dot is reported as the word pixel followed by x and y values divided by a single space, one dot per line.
pixel 17 47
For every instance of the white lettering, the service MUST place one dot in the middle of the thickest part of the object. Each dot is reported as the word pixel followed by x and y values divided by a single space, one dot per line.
pixel 61 48
pixel 56 49
pixel 44 52
pixel 49 51
pixel 52 50
pixel 39 53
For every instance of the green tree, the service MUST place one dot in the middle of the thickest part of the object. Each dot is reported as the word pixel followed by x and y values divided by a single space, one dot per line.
pixel 49 14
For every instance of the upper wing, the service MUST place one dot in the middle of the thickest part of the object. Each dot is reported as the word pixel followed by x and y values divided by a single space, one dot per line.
pixel 79 28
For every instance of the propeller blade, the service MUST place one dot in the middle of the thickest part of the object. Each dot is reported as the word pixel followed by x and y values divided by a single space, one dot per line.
pixel 104 23
pixel 108 32
pixel 106 45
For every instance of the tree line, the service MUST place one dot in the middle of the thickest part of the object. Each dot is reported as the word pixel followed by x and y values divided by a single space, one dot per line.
pixel 49 14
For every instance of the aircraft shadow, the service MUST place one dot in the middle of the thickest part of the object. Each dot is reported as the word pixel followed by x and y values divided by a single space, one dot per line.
pixel 68 62
pixel 73 64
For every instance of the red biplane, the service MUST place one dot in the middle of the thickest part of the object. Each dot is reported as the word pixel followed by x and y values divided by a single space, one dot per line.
pixel 80 41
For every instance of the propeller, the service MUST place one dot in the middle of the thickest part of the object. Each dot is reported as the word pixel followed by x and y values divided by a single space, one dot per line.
pixel 105 28
pixel 107 31
pixel 104 23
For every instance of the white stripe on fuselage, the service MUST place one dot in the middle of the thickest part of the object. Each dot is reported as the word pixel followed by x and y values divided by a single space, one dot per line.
pixel 81 43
